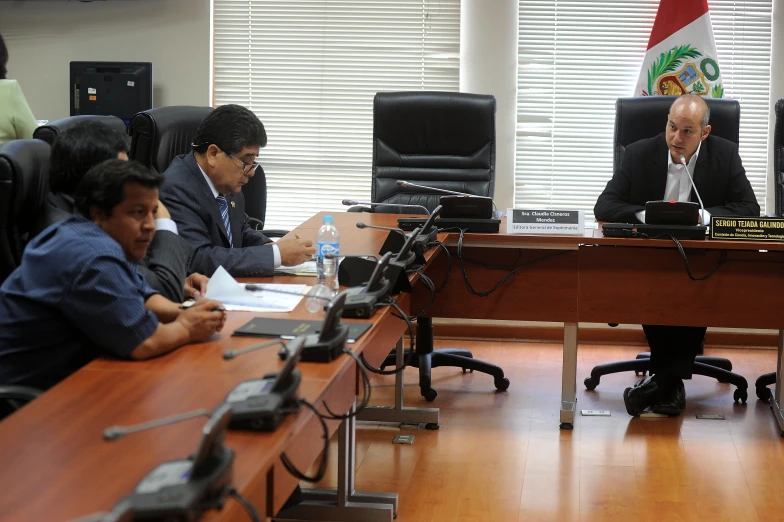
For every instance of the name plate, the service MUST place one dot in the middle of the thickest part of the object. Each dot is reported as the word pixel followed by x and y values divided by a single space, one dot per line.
pixel 747 229
pixel 567 222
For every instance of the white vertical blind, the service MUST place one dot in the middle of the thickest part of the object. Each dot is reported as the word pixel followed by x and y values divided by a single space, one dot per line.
pixel 309 70
pixel 577 57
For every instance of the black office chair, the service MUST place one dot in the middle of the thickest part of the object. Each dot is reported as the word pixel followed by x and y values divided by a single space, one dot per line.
pixel 50 131
pixel 443 140
pixel 160 135
pixel 14 397
pixel 644 117
pixel 24 184
pixel 761 385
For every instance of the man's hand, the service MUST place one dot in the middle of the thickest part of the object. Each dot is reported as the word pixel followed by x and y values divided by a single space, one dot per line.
pixel 202 320
pixel 196 285
pixel 295 251
pixel 162 212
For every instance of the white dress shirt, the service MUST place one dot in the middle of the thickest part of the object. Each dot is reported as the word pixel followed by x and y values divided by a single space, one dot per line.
pixel 275 249
pixel 678 187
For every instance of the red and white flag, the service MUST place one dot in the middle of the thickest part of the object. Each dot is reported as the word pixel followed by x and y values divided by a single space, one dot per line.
pixel 681 56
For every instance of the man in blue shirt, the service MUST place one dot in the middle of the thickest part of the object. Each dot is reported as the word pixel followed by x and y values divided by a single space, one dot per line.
pixel 84 146
pixel 77 295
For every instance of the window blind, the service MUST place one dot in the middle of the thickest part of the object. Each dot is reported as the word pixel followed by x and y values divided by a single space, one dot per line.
pixel 577 57
pixel 310 69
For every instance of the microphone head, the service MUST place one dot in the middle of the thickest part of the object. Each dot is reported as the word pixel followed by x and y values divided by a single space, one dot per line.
pixel 229 354
pixel 683 159
pixel 361 225
pixel 113 433
pixel 401 183
pixel 349 202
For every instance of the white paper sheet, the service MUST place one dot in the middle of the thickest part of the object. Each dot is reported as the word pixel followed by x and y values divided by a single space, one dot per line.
pixel 235 297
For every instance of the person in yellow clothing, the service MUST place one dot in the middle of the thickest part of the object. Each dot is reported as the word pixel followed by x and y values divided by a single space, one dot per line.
pixel 16 119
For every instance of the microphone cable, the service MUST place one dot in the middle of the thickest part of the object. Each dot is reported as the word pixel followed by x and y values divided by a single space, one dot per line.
pixel 322 469
pixel 411 353
pixel 366 389
pixel 253 514
pixel 504 279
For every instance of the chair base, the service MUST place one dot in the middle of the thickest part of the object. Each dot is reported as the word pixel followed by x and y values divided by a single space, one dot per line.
pixel 763 392
pixel 426 358
pixel 716 367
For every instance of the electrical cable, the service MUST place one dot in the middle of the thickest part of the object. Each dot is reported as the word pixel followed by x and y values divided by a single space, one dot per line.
pixel 253 514
pixel 322 469
pixel 411 352
pixel 366 389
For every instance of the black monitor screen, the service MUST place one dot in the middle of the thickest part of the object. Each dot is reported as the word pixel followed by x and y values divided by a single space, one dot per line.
pixel 111 88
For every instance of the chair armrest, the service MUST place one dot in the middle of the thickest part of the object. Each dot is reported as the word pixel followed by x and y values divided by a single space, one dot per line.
pixel 19 393
pixel 275 233
pixel 258 225
pixel 357 208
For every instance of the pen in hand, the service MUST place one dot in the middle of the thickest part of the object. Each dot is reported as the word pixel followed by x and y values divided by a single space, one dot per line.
pixel 199 298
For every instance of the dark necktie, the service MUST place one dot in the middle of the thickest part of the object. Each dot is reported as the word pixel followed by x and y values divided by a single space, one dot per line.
pixel 223 206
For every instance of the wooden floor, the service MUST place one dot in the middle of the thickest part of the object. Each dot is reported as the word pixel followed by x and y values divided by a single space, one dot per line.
pixel 501 457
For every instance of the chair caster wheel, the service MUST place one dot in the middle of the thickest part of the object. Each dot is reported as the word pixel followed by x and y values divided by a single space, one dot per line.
pixel 432 426
pixel 590 383
pixel 502 384
pixel 763 393
pixel 429 394
pixel 566 426
pixel 741 395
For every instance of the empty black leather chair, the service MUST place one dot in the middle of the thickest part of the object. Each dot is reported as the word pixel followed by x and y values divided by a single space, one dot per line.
pixel 444 140
pixel 642 117
pixel 24 184
pixel 160 135
pixel 14 397
pixel 769 379
pixel 50 131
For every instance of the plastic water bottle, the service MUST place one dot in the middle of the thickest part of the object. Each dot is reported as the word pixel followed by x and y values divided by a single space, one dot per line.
pixel 327 251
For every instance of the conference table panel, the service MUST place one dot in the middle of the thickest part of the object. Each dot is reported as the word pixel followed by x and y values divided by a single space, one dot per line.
pixel 650 286
pixel 545 289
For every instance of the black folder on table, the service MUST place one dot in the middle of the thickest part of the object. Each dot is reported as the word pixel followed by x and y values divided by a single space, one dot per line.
pixel 267 327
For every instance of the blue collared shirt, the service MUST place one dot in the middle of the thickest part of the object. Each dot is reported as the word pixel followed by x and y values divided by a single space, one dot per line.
pixel 74 297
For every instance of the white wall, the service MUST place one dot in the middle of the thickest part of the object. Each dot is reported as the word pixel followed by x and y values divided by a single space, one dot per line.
pixel 43 37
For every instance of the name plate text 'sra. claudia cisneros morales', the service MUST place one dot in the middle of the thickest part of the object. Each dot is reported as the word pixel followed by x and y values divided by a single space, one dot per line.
pixel 528 221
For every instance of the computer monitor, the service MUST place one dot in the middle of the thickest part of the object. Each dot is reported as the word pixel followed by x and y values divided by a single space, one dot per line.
pixel 111 88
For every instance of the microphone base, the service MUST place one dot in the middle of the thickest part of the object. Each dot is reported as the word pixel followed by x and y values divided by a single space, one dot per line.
pixel 325 351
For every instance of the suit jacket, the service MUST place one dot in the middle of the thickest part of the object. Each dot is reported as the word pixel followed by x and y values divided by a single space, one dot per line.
pixel 165 265
pixel 718 175
pixel 189 199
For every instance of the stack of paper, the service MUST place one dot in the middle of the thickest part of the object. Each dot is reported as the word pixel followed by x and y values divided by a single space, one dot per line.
pixel 262 298
pixel 308 268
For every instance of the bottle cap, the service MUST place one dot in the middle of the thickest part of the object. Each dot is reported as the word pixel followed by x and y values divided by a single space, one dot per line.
pixel 328 220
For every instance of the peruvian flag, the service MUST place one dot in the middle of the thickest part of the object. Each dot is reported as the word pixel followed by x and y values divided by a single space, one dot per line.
pixel 681 56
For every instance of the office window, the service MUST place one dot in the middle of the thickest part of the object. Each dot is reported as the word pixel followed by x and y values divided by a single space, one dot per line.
pixel 576 57
pixel 310 69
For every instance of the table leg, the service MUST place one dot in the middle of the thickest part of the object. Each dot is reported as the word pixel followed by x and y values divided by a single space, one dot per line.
pixel 776 395
pixel 344 504
pixel 569 377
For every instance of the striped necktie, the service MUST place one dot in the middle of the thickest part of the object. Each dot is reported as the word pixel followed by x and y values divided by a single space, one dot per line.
pixel 223 206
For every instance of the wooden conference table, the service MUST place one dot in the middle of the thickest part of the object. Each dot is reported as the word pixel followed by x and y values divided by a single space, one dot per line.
pixel 57 467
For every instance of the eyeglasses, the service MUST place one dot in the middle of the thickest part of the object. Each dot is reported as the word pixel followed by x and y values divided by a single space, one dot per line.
pixel 246 167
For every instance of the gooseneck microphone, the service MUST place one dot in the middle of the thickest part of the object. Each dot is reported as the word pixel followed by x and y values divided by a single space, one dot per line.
pixel 115 432
pixel 686 168
pixel 231 354
pixel 403 183
pixel 351 202
pixel 379 227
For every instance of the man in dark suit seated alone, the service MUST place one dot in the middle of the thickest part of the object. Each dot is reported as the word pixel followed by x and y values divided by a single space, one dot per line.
pixel 644 176
pixel 77 150
pixel 203 193
pixel 77 294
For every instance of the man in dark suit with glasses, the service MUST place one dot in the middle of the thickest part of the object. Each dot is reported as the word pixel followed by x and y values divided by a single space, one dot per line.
pixel 203 192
